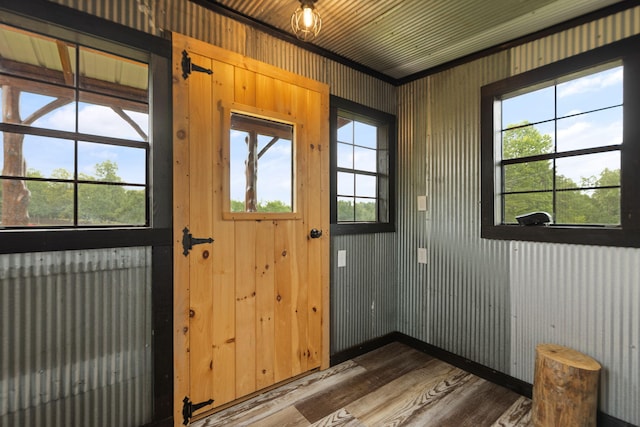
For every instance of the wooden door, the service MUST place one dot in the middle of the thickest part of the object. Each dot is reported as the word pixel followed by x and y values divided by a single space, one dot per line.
pixel 251 307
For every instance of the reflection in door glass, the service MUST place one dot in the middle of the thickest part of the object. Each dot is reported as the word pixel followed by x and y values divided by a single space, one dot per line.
pixel 261 165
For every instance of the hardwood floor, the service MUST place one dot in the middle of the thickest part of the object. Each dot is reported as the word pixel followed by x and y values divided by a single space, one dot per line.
pixel 394 385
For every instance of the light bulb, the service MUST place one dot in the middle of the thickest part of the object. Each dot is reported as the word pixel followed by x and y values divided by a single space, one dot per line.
pixel 307 16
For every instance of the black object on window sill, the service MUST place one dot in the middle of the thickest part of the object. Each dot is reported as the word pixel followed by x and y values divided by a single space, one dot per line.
pixel 534 218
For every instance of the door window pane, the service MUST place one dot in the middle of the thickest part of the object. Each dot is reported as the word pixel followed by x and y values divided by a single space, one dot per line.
pixel 261 165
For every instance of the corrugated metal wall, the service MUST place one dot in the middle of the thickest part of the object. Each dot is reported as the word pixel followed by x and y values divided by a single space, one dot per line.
pixel 412 174
pixel 459 300
pixel 489 300
pixel 76 330
pixel 585 297
pixel 575 40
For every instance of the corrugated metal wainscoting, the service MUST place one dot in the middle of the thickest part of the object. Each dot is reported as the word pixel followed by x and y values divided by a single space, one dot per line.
pixel 587 298
pixel 363 292
pixel 76 334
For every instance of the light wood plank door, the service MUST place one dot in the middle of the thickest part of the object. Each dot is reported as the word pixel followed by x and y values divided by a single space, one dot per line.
pixel 251 307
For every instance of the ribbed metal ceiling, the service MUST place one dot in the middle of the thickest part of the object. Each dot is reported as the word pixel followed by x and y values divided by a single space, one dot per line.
pixel 399 38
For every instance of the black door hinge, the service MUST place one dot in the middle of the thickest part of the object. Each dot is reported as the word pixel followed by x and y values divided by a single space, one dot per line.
pixel 188 67
pixel 189 408
pixel 188 241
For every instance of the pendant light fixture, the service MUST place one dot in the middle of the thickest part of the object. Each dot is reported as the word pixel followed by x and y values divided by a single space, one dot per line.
pixel 306 21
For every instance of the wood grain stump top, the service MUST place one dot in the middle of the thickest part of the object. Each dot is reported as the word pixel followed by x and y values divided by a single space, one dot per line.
pixel 565 387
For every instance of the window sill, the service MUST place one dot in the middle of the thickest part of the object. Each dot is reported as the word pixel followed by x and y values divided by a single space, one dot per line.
pixel 595 236
pixel 20 241
pixel 361 228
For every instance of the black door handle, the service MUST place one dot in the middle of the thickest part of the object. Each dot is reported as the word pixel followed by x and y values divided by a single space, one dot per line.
pixel 315 233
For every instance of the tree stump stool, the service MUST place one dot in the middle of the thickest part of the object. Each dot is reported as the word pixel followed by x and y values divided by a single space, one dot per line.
pixel 565 387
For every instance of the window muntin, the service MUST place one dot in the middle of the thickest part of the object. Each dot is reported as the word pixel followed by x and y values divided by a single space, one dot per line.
pixel 362 168
pixel 561 162
pixel 261 165
pixel 72 141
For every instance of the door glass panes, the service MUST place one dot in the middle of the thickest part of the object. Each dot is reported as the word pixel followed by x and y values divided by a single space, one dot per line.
pixel 78 155
pixel 261 165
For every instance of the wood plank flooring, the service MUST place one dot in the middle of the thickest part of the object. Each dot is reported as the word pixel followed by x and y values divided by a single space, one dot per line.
pixel 394 385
